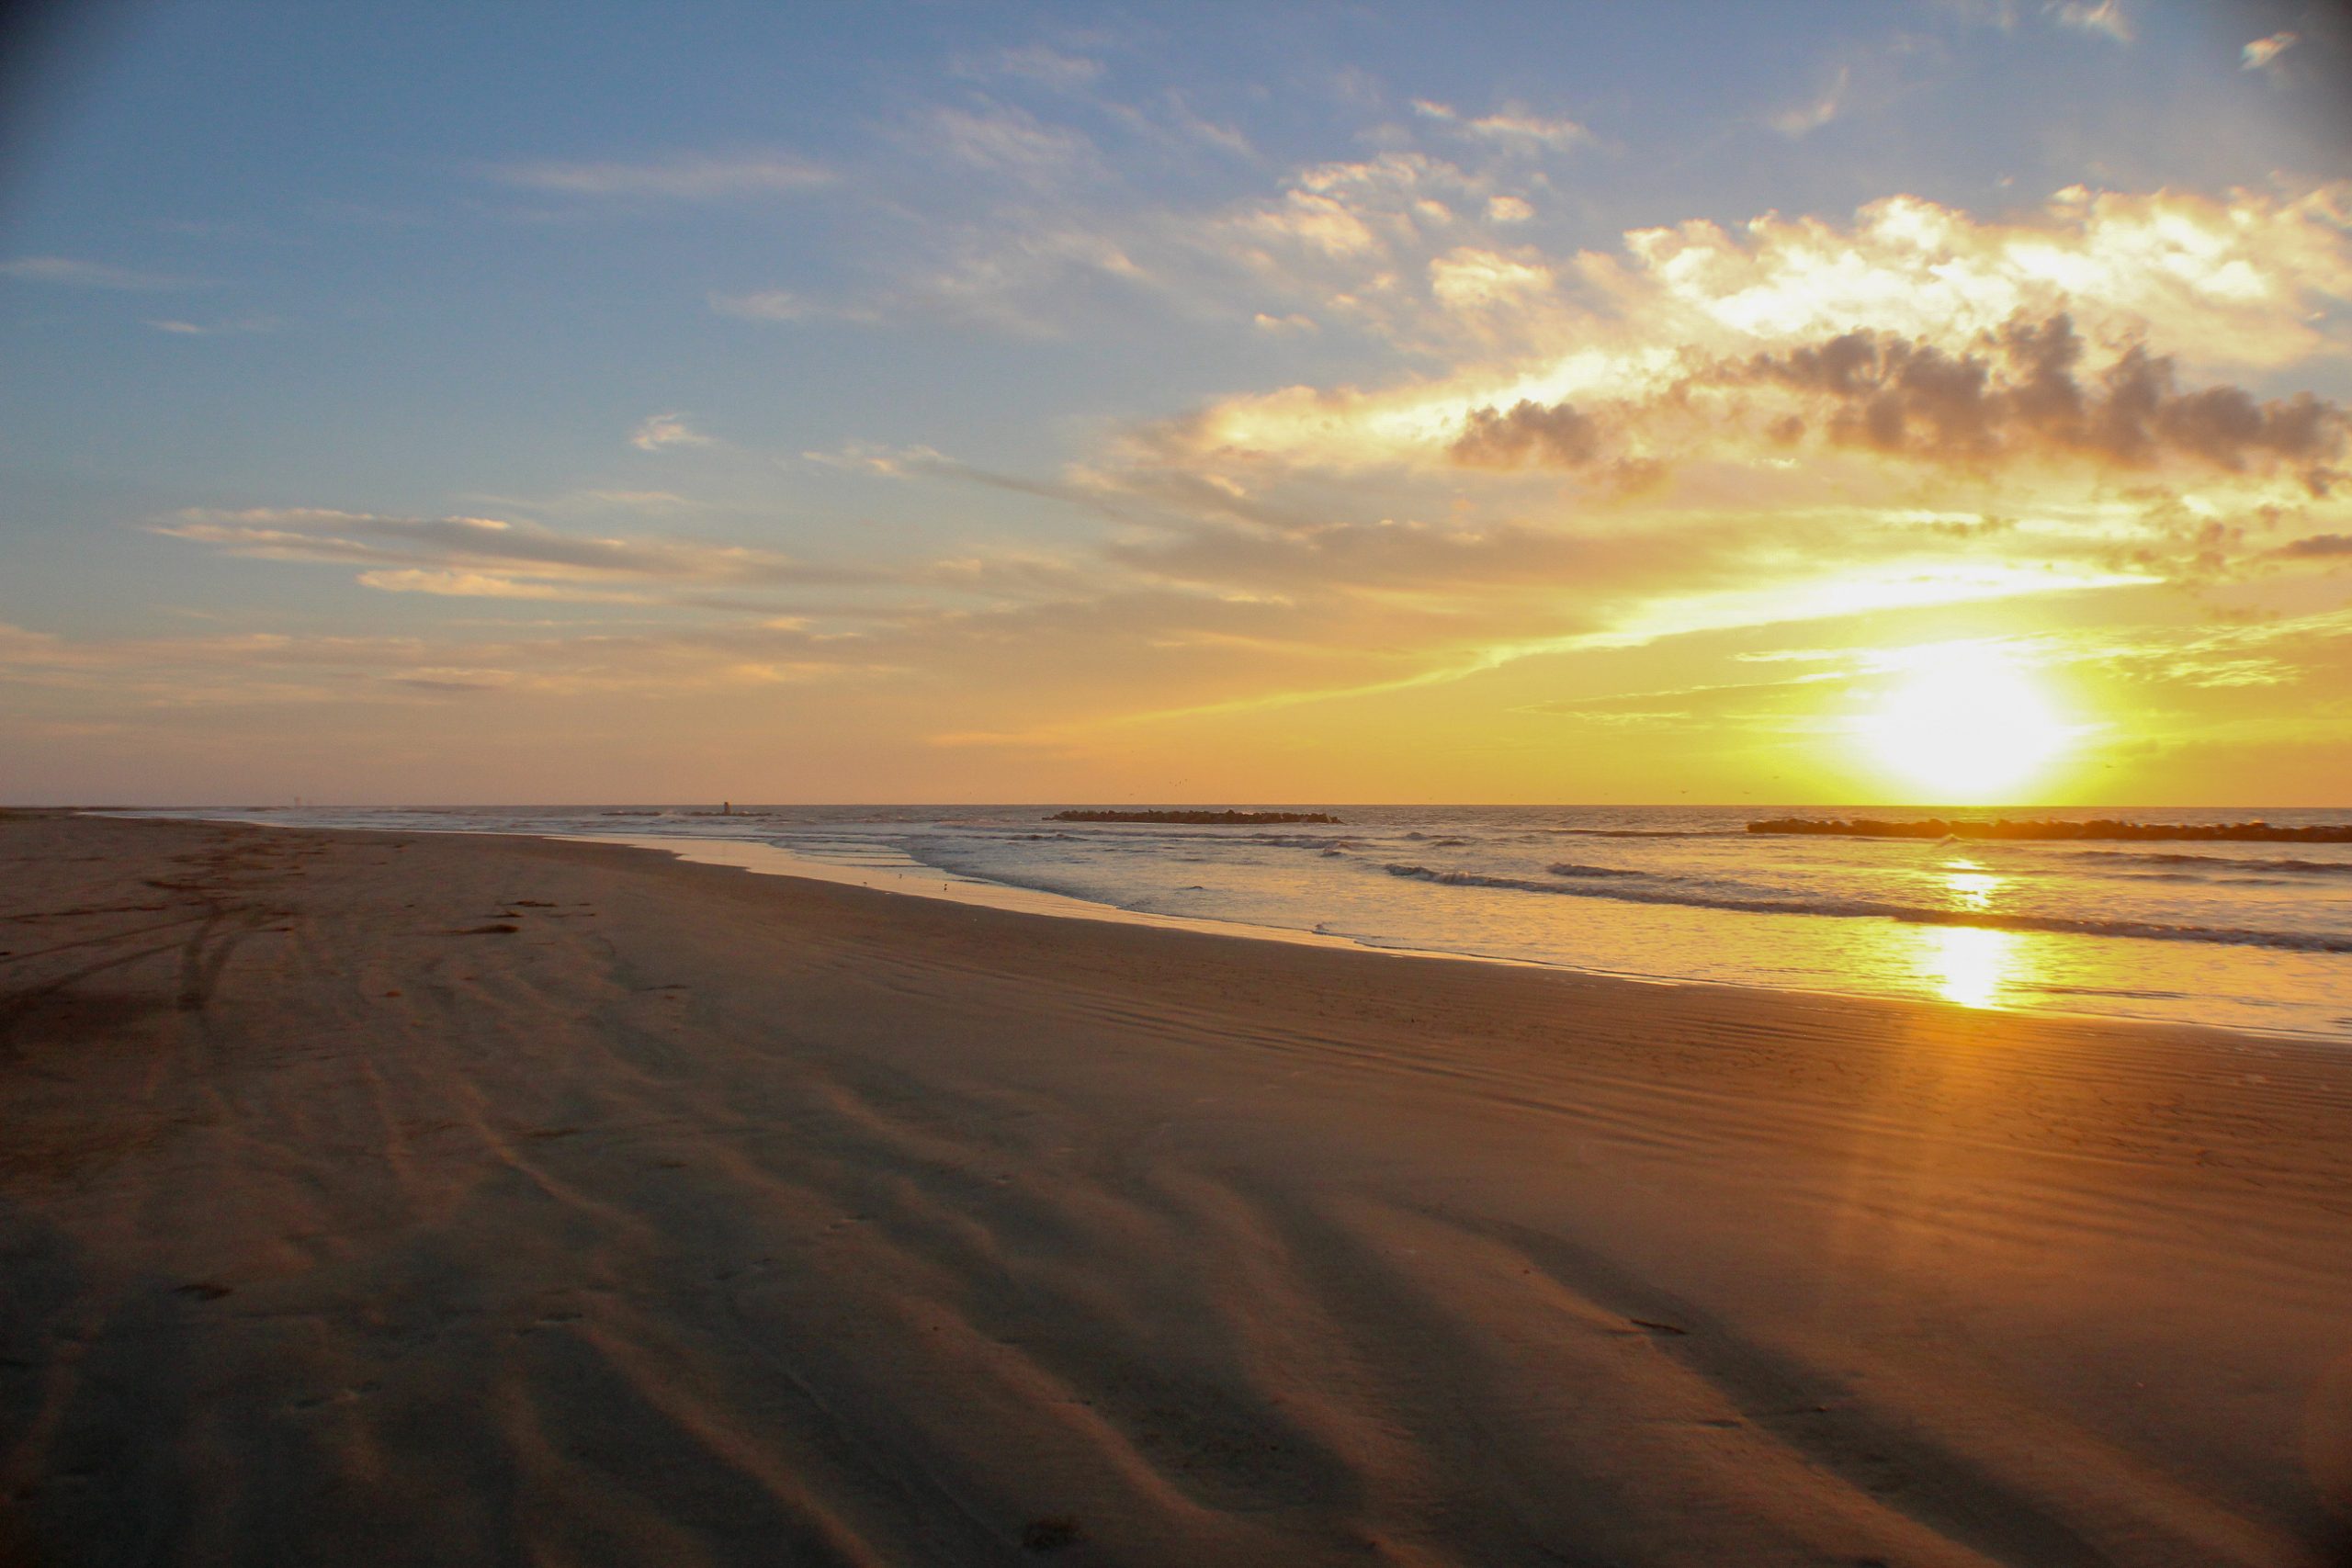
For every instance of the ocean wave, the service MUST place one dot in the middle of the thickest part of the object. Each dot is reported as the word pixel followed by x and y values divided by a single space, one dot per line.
pixel 1570 868
pixel 1858 909
pixel 2225 862
pixel 1650 832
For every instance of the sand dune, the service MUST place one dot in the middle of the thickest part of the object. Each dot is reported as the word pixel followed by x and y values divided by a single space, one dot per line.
pixel 370 1199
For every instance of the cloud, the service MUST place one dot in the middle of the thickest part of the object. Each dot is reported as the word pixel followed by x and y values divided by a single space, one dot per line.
pixel 153 677
pixel 2318 546
pixel 2016 396
pixel 215 329
pixel 2262 52
pixel 2020 389
pixel 1035 62
pixel 1470 279
pixel 71 272
pixel 2251 281
pixel 1513 125
pixel 1819 111
pixel 1005 140
pixel 2106 18
pixel 665 432
pixel 685 177
pixel 783 305
pixel 486 585
pixel 458 555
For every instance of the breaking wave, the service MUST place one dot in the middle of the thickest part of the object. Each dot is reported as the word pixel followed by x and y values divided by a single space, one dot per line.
pixel 2227 862
pixel 1575 885
pixel 1649 832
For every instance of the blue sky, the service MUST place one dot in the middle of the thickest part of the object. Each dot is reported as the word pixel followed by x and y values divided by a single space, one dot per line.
pixel 839 384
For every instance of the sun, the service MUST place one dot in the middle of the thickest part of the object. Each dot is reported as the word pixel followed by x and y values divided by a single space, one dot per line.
pixel 1964 725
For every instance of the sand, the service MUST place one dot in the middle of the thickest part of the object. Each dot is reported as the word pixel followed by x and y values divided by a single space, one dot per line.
pixel 370 1199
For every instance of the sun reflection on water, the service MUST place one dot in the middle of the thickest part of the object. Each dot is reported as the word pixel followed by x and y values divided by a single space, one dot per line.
pixel 1972 889
pixel 1970 965
pixel 1974 967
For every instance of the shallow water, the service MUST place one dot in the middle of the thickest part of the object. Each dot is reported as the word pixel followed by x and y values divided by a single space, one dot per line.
pixel 2245 935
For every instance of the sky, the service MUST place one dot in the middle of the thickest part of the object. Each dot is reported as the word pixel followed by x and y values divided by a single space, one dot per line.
pixel 939 402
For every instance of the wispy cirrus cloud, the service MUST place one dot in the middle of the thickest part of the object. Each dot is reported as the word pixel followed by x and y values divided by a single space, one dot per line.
pixel 1513 125
pixel 1003 138
pixel 1815 112
pixel 684 176
pixel 233 327
pixel 2263 53
pixel 464 555
pixel 72 272
pixel 667 432
pixel 1039 63
pixel 786 305
pixel 2105 17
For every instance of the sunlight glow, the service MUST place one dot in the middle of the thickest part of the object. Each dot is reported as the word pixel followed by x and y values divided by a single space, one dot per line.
pixel 1965 724
pixel 1972 966
pixel 1971 886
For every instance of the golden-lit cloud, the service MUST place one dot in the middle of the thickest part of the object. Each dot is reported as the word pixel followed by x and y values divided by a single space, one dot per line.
pixel 1513 125
pixel 2152 290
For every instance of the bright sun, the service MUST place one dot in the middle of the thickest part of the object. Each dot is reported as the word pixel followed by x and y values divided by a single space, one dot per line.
pixel 1964 726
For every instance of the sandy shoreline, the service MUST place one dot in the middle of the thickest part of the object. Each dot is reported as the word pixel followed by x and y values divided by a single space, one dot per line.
pixel 401 1198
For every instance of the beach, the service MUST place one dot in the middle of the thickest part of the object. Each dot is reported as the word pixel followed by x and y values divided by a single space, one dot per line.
pixel 408 1198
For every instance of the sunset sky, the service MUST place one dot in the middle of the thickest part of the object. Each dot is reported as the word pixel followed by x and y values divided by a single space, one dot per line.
pixel 1337 402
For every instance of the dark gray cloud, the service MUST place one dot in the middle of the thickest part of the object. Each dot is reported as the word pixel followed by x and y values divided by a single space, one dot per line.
pixel 2019 392
pixel 1561 436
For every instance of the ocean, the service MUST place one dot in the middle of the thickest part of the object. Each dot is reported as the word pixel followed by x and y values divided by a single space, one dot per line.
pixel 2245 935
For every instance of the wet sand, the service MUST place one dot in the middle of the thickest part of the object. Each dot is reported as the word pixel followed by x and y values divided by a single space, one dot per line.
pixel 383 1199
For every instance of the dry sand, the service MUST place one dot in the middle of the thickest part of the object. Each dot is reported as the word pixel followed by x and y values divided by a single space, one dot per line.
pixel 380 1199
